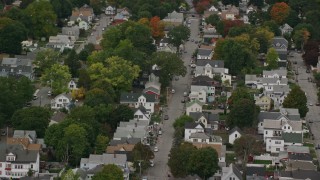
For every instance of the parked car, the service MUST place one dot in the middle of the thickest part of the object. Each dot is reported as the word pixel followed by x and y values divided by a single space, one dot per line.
pixel 160 132
pixel 317 104
pixel 49 93
pixel 166 117
pixel 173 91
pixel 155 149
pixel 151 163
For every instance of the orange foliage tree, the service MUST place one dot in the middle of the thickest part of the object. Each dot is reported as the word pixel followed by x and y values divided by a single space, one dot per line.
pixel 157 27
pixel 279 12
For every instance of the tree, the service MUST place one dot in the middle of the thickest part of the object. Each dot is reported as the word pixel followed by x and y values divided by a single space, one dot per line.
pixel 84 79
pixel 204 162
pixel 272 27
pixel 9 101
pixel 57 77
pixel 101 144
pixel 178 156
pixel 228 24
pixel 180 122
pixel 69 175
pixel 157 28
pixel 243 114
pixel 45 59
pixel 213 19
pixel 296 99
pixel 170 64
pixel 237 95
pixel 121 113
pixel 62 8
pixel 96 5
pixel 264 37
pixel 293 18
pixel 247 145
pixel 32 118
pixel 300 37
pixel 43 19
pixel 11 36
pixel 272 58
pixel 232 2
pixel 118 72
pixel 178 35
pixel 311 53
pixel 73 63
pixel 109 171
pixel 279 12
pixel 97 96
pixel 258 3
pixel 142 154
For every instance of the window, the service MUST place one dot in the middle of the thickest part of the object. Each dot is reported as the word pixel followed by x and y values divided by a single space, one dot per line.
pixel 60 100
pixel 277 149
pixel 266 132
pixel 288 127
pixel 236 135
pixel 284 127
pixel 31 166
pixel 277 142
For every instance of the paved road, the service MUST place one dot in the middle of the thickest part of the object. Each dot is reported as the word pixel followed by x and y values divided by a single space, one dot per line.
pixel 43 98
pixel 311 90
pixel 175 109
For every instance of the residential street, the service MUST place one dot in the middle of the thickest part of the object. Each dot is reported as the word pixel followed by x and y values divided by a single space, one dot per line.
pixel 311 91
pixel 175 109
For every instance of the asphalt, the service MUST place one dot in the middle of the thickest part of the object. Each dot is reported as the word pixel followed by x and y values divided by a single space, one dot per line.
pixel 175 109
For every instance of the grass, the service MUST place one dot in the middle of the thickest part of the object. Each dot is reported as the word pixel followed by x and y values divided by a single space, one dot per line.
pixel 310 145
pixel 313 153
pixel 230 158
pixel 262 162
pixel 222 116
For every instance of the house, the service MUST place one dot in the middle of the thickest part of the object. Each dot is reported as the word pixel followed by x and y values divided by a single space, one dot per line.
pixel 72 84
pixel 17 67
pixel 213 9
pixel 57 117
pixel 255 173
pixel 263 101
pixel 231 173
pixel 174 18
pixel 208 120
pixel 230 14
pixel 194 106
pixel 31 135
pixel 124 140
pixel 202 91
pixel 16 161
pixel 191 128
pixel 278 93
pixel 131 131
pixel 294 149
pixel 142 114
pixel 204 54
pixel 120 148
pixel 234 134
pixel 286 29
pixel 211 68
pixel 251 8
pixel 148 101
pixel 73 31
pixel 279 43
pixel 275 128
pixel 61 42
pixel 152 87
pixel 164 42
pixel 124 13
pixel 109 11
pixel 299 174
pixel 275 145
pixel 278 73
pixel 95 160
pixel 61 101
pixel 84 16
pixel 292 139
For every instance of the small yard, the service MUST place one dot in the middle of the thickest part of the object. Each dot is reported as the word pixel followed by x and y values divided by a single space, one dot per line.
pixel 262 162
pixel 223 134
pixel 230 158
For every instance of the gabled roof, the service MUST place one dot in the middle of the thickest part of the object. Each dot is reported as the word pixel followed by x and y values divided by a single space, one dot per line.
pixel 268 115
pixel 259 171
pixel 279 42
pixel 281 72
pixel 202 78
pixel 300 157
pixel 213 63
pixel 204 52
pixel 234 130
pixel 191 125
pixel 199 135
pixel 292 137
pixel 152 89
pixel 301 174
pixel 209 116
pixel 298 149
pixel 133 97
pixel 22 155
pixel 236 171
pixel 194 102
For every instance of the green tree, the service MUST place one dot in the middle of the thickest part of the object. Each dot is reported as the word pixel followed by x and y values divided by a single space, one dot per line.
pixel 297 99
pixel 247 145
pixel 32 118
pixel 213 19
pixel 273 27
pixel 73 63
pixel 101 144
pixel 171 65
pixel 62 8
pixel 178 35
pixel 69 175
pixel 243 114
pixel 272 58
pixel 204 162
pixel 9 101
pixel 43 19
pixel 84 79
pixel 258 3
pixel 57 77
pixel 111 38
pixel 178 156
pixel 11 36
pixel 109 171
pixel 96 5
pixel 45 59
pixel 180 122
pixel 300 37
pixel 144 153
pixel 121 113
pixel 264 37
pixel 96 97
pixel 118 72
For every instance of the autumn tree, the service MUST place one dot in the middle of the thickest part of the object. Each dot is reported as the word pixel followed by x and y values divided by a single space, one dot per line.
pixel 279 12
pixel 297 99
pixel 311 53
pixel 264 37
pixel 272 58
pixel 157 27
pixel 144 153
pixel 247 145
pixel 300 37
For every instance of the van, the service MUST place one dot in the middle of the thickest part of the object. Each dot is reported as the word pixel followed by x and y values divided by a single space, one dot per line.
pixel 160 132
pixel 35 94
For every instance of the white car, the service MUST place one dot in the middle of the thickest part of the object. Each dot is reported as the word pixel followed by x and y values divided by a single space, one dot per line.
pixel 310 104
pixel 151 163
pixel 173 91
pixel 193 65
pixel 160 132
pixel 156 149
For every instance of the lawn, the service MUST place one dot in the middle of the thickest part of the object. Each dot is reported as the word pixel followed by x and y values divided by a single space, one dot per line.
pixel 310 145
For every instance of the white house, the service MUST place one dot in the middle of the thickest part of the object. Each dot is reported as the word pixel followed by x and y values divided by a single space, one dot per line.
pixel 278 73
pixel 135 100
pixel 61 42
pixel 110 10
pixel 142 114
pixel 234 134
pixel 204 53
pixel 61 101
pixel 72 84
pixel 275 128
pixel 231 173
pixel 208 120
pixel 275 145
pixel 191 128
pixel 16 161
pixel 194 106
pixel 286 29
pixel 84 25
pixel 212 8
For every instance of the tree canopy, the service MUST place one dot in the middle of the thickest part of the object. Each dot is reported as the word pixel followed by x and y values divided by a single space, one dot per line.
pixel 296 99
pixel 109 171
pixel 272 58
pixel 177 35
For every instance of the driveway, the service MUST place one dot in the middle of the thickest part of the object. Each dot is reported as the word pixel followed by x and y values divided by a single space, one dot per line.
pixel 311 92
pixel 174 110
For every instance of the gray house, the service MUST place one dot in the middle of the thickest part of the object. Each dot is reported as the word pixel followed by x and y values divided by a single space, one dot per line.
pixel 71 31
pixel 16 67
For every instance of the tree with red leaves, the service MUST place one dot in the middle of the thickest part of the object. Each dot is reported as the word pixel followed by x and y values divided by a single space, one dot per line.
pixel 228 24
pixel 311 53
pixel 201 5
pixel 157 28
pixel 279 12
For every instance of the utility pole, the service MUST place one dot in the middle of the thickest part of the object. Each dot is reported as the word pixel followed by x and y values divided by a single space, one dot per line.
pixel 140 161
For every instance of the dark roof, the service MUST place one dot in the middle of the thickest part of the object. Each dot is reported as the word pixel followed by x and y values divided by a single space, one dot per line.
pixel 133 97
pixel 156 72
pixel 202 78
pixel 201 83
pixel 268 115
pixel 204 52
pixel 95 169
pixel 259 171
pixel 235 129
pixel 300 157
pixel 165 40
pixel 278 42
pixel 58 116
pixel 213 63
pixel 301 174
pixel 190 125
pixel 22 155
pixel 124 140
pixel 142 109
pixel 210 117
pixel 236 171
pixel 292 137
